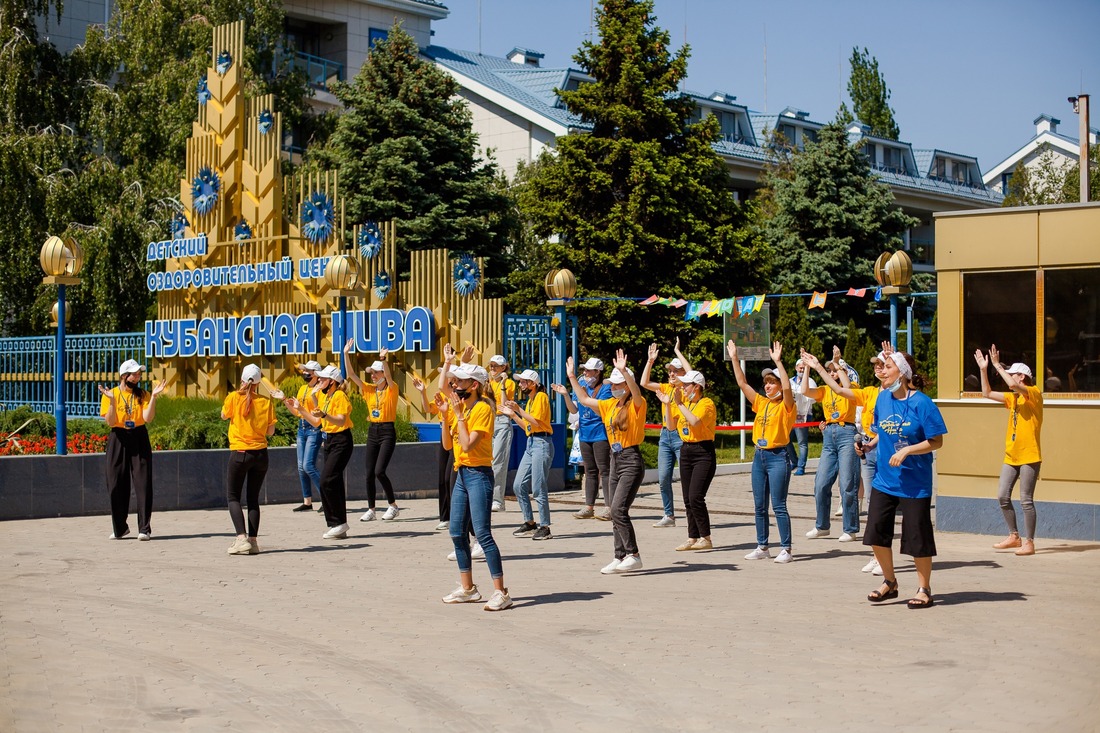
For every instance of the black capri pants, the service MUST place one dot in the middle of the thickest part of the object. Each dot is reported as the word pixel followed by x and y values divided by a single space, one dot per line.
pixel 246 468
pixel 334 497
pixel 917 536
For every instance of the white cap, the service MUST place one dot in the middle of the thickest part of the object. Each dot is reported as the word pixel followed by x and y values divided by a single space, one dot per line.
pixel 618 377
pixel 676 363
pixel 130 367
pixel 470 371
pixel 770 372
pixel 593 363
pixel 498 360
pixel 331 372
pixel 694 377
pixel 310 366
pixel 377 366
pixel 880 356
pixel 1020 368
pixel 251 374
pixel 529 375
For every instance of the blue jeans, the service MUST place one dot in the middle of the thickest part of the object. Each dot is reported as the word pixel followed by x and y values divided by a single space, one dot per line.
pixel 771 476
pixel 867 470
pixel 473 496
pixel 309 442
pixel 533 476
pixel 838 457
pixel 801 436
pixel 668 454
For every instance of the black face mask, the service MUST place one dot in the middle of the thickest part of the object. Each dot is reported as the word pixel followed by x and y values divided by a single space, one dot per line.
pixel 133 384
pixel 462 393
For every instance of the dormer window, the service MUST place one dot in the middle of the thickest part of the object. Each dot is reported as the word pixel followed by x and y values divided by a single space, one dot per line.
pixel 891 159
pixel 790 135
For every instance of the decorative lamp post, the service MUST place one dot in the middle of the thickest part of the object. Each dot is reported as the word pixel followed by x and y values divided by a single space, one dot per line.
pixel 342 276
pixel 893 273
pixel 61 260
pixel 560 286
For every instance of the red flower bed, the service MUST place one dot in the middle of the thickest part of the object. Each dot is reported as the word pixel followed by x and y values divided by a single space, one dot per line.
pixel 38 446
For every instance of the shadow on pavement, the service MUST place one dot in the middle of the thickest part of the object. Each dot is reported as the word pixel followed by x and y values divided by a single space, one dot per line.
pixel 162 537
pixel 681 567
pixel 409 533
pixel 315 548
pixel 952 565
pixel 977 596
pixel 566 597
pixel 1066 548
pixel 549 555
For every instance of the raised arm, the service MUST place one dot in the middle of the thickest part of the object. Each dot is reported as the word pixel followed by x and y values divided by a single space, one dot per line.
pixel 811 362
pixel 419 386
pixel 349 362
pixel 582 394
pixel 449 356
pixel 635 391
pixel 683 359
pixel 739 373
pixel 645 380
pixel 150 410
pixel 784 381
pixel 994 358
pixel 983 369
pixel 570 405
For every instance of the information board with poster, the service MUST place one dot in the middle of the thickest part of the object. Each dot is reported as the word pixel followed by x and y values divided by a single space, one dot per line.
pixel 752 334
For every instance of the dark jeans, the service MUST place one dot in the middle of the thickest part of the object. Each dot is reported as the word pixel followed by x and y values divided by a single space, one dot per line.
pixel 381 439
pixel 597 470
pixel 627 469
pixel 801 436
pixel 697 465
pixel 246 467
pixel 446 482
pixel 130 463
pixel 334 497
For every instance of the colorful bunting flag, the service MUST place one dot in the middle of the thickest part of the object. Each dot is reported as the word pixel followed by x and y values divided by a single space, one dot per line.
pixel 650 300
pixel 758 303
pixel 857 293
pixel 878 294
pixel 818 300
pixel 680 303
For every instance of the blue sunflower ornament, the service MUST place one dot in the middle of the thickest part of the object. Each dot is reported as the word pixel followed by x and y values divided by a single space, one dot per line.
pixel 242 231
pixel 178 225
pixel 317 218
pixel 467 275
pixel 382 285
pixel 265 122
pixel 370 240
pixel 202 91
pixel 204 190
pixel 224 62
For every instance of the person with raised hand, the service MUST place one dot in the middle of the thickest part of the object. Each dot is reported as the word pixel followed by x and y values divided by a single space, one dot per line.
pixel 623 417
pixel 127 409
pixel 504 389
pixel 1023 454
pixel 381 396
pixel 669 443
pixel 771 469
pixel 595 449
pixel 533 474
pixel 697 419
pixel 251 419
pixel 309 440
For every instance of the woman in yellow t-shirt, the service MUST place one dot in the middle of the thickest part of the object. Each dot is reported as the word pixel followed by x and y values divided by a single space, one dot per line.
pixel 331 411
pixel 771 467
pixel 504 389
pixel 1023 454
pixel 127 409
pixel 623 417
pixel 697 420
pixel 468 433
pixel 251 422
pixel 309 440
pixel 533 474
pixel 381 398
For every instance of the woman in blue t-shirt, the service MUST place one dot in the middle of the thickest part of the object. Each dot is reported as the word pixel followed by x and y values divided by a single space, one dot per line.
pixel 910 427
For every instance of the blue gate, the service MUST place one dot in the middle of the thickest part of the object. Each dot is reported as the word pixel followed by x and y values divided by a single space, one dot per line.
pixel 533 342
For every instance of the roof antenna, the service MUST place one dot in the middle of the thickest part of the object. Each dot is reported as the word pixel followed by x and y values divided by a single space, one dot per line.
pixel 478 27
pixel 765 68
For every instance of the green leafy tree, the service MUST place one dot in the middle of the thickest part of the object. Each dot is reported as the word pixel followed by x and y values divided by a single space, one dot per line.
pixel 832 219
pixel 642 204
pixel 406 151
pixel 1051 181
pixel 870 96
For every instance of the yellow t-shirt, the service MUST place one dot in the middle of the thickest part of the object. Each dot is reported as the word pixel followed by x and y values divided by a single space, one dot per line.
pixel 381 403
pixel 634 433
pixel 538 407
pixel 866 397
pixel 508 387
pixel 773 422
pixel 836 408
pixel 479 419
pixel 708 419
pixel 1025 421
pixel 248 432
pixel 670 414
pixel 335 404
pixel 128 408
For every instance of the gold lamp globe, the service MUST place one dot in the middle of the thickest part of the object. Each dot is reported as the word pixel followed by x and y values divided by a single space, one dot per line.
pixel 560 284
pixel 61 257
pixel 899 269
pixel 879 268
pixel 53 315
pixel 342 273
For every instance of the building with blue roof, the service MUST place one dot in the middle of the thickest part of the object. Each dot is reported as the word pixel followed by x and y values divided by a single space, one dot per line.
pixel 1061 150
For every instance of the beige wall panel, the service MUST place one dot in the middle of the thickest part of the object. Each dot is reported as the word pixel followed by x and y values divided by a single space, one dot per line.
pixel 986 242
pixel 1069 237
pixel 949 347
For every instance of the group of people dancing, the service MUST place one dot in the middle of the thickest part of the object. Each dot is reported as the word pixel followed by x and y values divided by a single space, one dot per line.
pixel 890 429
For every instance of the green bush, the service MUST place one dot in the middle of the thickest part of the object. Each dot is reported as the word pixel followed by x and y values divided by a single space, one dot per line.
pixel 88 426
pixel 290 387
pixel 41 425
pixel 649 454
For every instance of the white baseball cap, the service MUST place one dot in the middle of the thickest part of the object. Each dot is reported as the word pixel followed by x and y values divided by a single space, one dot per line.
pixel 529 375
pixel 331 372
pixel 130 367
pixel 694 377
pixel 470 371
pixel 676 363
pixel 770 372
pixel 251 374
pixel 498 360
pixel 592 363
pixel 310 366
pixel 880 356
pixel 1020 368
pixel 377 366
pixel 618 377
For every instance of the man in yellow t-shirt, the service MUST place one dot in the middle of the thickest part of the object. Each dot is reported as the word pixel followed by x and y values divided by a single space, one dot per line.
pixel 251 422
pixel 1023 452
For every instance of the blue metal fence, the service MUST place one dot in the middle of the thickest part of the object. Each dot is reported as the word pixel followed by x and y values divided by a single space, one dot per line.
pixel 530 342
pixel 26 369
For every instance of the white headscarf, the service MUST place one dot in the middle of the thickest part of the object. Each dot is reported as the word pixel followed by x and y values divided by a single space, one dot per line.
pixel 903 364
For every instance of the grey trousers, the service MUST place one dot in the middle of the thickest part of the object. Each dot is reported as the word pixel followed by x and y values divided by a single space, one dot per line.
pixel 502 452
pixel 1027 474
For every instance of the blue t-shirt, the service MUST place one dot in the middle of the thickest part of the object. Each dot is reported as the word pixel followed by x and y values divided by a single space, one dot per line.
pixel 913 421
pixel 590 428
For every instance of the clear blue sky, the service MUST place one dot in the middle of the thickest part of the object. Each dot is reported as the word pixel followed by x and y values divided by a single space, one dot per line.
pixel 967 76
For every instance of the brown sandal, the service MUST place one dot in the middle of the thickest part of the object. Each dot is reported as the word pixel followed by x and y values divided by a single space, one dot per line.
pixel 877 596
pixel 920 602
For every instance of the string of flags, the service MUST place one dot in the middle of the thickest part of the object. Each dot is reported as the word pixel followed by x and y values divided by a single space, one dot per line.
pixel 747 304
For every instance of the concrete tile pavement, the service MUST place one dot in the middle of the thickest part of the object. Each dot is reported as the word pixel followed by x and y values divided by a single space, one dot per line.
pixel 174 634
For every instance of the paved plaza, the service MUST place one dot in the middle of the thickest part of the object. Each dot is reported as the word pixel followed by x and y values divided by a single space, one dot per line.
pixel 315 635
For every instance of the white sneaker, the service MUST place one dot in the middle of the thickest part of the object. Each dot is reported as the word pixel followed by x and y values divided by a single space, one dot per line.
pixel 839 512
pixel 368 516
pixel 760 553
pixel 609 569
pixel 845 538
pixel 665 521
pixel 498 506
pixel 784 557
pixel 870 567
pixel 339 532
pixel 124 534
pixel 441 526
pixel 461 595
pixel 144 536
pixel 814 533
pixel 630 562
pixel 877 570
pixel 240 546
pixel 500 601
pixel 453 557
pixel 391 513
pixel 476 552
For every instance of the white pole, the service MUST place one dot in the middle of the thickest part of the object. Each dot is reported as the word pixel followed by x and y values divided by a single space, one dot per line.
pixel 742 415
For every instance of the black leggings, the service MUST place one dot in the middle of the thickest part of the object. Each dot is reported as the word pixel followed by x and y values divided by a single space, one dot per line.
pixel 334 497
pixel 130 463
pixel 246 466
pixel 697 465
pixel 381 439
